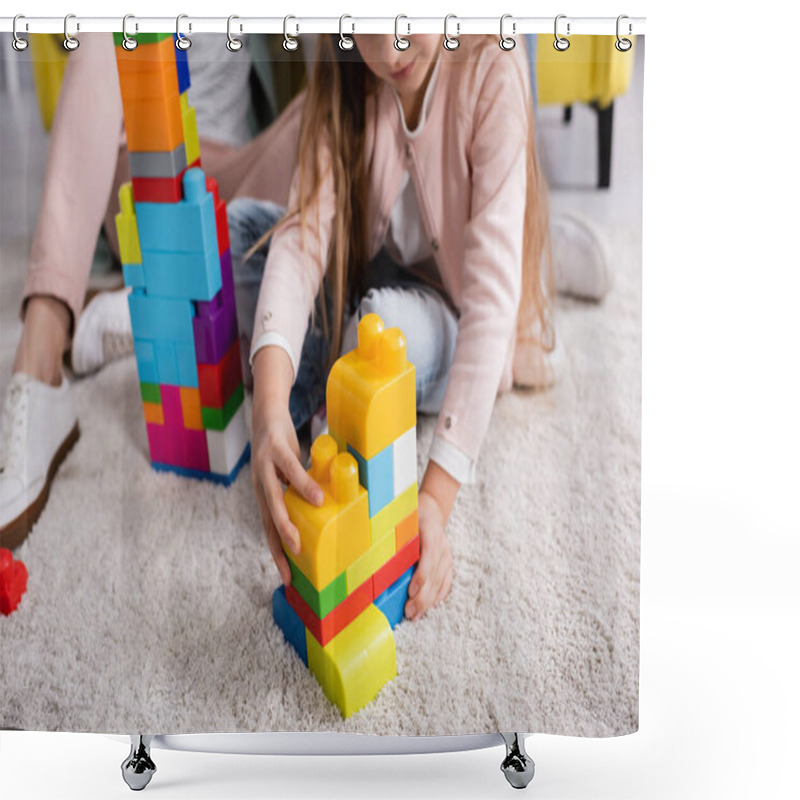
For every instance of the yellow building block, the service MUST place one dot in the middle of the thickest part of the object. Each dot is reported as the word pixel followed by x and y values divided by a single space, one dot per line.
pixel 190 137
pixel 335 534
pixel 191 408
pixel 382 525
pixel 368 564
pixel 355 665
pixel 371 396
pixel 127 232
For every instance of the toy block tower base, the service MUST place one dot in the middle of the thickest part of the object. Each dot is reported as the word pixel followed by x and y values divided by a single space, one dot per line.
pixel 176 260
pixel 359 550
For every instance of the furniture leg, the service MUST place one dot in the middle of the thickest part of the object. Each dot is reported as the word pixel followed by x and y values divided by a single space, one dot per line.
pixel 517 766
pixel 605 120
pixel 138 768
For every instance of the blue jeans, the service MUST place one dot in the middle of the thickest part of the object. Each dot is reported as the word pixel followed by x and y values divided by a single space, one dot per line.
pixel 429 324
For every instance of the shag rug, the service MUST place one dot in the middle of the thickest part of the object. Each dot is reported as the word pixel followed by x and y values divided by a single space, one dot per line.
pixel 149 599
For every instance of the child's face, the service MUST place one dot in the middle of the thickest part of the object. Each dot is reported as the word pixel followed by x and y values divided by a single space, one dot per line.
pixel 405 70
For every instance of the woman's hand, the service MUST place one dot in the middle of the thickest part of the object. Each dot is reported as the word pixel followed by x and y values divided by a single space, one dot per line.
pixel 434 575
pixel 276 455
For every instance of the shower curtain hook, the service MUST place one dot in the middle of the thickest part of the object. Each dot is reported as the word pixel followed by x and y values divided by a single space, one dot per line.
pixel 451 42
pixel 182 42
pixel 18 43
pixel 233 44
pixel 70 42
pixel 623 45
pixel 127 42
pixel 290 42
pixel 400 42
pixel 561 43
pixel 346 42
pixel 506 42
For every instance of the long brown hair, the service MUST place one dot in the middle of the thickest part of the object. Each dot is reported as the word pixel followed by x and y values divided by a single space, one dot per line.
pixel 334 121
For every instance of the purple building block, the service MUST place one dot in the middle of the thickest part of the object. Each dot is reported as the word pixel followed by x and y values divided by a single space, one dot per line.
pixel 214 334
pixel 208 307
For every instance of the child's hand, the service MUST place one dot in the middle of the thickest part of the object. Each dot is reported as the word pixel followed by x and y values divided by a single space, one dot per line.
pixel 434 576
pixel 276 455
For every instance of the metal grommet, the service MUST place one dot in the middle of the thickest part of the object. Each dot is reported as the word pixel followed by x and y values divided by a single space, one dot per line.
pixel 623 45
pixel 346 42
pixel 561 44
pixel 289 42
pixel 18 43
pixel 451 42
pixel 127 42
pixel 506 42
pixel 182 42
pixel 400 42
pixel 233 44
pixel 70 42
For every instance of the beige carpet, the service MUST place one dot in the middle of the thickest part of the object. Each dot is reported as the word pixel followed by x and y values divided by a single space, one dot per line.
pixel 148 606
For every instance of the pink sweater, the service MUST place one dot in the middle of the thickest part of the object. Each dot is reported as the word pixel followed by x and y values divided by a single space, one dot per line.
pixel 468 168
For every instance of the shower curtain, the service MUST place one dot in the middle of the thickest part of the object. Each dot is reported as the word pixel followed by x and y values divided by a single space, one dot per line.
pixel 464 385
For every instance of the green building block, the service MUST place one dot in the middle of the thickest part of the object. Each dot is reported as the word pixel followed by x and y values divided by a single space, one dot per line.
pixel 217 419
pixel 150 393
pixel 321 603
pixel 142 38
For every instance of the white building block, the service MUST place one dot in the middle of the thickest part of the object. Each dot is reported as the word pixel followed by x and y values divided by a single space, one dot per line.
pixel 225 448
pixel 404 461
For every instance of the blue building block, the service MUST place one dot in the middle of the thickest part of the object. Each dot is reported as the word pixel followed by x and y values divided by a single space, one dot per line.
pixel 213 477
pixel 133 275
pixel 392 602
pixel 166 362
pixel 187 365
pixel 287 620
pixel 182 64
pixel 161 318
pixel 189 226
pixel 195 276
pixel 376 475
pixel 146 361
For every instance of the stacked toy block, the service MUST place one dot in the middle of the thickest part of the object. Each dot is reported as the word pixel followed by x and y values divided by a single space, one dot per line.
pixel 358 550
pixel 175 251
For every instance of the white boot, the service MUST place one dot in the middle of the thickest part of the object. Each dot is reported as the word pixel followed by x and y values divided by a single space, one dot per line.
pixel 103 332
pixel 580 261
pixel 38 429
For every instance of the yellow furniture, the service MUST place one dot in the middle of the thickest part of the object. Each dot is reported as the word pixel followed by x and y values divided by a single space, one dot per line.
pixel 48 58
pixel 592 71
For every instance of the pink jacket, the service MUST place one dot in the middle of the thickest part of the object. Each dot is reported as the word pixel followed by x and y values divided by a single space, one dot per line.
pixel 468 169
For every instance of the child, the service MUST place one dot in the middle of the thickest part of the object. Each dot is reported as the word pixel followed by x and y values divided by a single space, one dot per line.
pixel 418 197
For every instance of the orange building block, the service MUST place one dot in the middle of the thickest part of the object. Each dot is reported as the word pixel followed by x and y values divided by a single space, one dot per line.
pixel 153 412
pixel 151 105
pixel 371 394
pixel 335 534
pixel 406 530
pixel 191 408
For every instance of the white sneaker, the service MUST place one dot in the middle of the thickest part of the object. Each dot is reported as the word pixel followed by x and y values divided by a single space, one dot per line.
pixel 580 262
pixel 37 431
pixel 103 332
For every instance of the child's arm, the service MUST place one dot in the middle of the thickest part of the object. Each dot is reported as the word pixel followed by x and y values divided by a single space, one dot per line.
pixel 276 454
pixel 434 576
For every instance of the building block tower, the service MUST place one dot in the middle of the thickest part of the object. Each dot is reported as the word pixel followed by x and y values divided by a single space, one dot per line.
pixel 175 251
pixel 358 551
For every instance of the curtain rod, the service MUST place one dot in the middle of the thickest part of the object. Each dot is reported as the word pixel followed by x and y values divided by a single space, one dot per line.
pixel 567 26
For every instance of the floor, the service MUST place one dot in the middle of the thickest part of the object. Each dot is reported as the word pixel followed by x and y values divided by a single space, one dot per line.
pixel 149 596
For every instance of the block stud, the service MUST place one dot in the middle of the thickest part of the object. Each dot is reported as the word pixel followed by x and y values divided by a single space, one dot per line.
pixel 194 185
pixel 323 452
pixel 370 329
pixel 344 478
pixel 392 351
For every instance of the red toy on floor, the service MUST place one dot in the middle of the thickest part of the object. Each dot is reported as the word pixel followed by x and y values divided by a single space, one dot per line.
pixel 13 582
